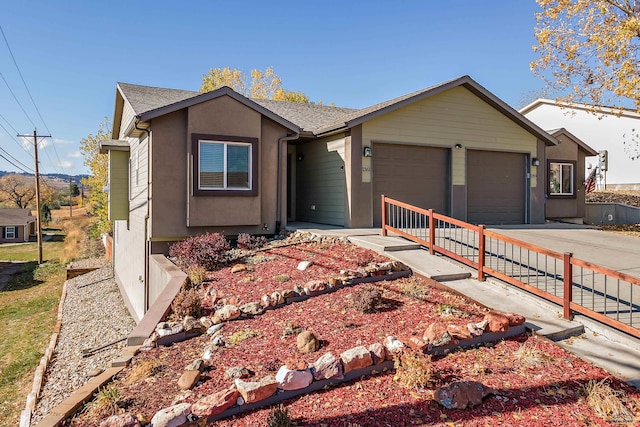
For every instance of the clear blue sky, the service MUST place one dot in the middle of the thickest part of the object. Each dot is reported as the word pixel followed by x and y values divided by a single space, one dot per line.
pixel 351 53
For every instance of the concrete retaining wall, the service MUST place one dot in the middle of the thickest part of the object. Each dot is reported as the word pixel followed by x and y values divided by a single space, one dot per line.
pixel 611 214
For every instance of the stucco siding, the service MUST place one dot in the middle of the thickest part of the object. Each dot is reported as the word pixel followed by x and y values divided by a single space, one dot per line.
pixel 129 263
pixel 456 116
pixel 320 181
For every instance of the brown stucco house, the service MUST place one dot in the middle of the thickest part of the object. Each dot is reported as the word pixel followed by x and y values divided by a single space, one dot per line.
pixel 18 225
pixel 184 163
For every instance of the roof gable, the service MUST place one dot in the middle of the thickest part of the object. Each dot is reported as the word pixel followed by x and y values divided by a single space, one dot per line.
pixel 15 216
pixel 581 144
pixel 595 109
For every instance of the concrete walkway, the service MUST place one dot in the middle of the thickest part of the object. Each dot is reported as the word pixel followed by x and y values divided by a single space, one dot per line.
pixel 616 352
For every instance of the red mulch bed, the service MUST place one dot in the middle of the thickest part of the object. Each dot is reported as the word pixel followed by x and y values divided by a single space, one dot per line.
pixel 547 394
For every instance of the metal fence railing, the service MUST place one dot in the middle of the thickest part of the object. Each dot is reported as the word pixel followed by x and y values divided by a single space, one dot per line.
pixel 603 294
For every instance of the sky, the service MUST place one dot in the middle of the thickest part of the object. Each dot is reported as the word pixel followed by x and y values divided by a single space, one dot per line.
pixel 71 54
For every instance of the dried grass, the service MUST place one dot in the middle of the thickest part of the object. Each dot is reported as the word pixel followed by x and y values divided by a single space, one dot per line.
pixel 104 405
pixel 607 402
pixel 413 370
pixel 142 370
pixel 529 355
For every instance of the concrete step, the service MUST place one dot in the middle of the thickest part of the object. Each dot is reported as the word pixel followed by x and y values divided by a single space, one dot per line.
pixel 382 244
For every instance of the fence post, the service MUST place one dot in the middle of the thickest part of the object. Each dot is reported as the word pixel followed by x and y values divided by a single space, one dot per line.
pixel 481 242
pixel 568 286
pixel 384 216
pixel 432 231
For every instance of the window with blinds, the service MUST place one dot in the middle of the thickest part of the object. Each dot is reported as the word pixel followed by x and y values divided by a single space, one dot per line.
pixel 224 165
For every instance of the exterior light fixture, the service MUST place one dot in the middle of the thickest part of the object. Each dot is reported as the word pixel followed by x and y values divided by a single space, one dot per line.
pixel 535 162
pixel 458 146
pixel 366 152
pixel 300 157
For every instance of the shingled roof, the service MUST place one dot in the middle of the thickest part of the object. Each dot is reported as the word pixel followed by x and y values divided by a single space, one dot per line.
pixel 149 102
pixel 15 216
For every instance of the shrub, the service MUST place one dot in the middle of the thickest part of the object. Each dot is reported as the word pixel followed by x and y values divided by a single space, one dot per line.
pixel 239 336
pixel 206 250
pixel 413 370
pixel 196 274
pixel 279 417
pixel 247 241
pixel 366 299
pixel 607 402
pixel 105 404
pixel 187 303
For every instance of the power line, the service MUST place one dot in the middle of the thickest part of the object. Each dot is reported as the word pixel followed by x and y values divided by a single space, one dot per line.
pixel 16 98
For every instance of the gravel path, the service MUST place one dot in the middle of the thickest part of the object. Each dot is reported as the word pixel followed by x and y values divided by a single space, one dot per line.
pixel 93 314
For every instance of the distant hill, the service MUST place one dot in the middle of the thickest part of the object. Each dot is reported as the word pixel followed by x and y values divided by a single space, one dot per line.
pixel 51 176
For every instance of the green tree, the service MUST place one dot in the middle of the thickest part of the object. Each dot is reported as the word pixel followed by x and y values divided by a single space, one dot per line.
pixel 588 50
pixel 45 214
pixel 98 180
pixel 74 190
pixel 259 84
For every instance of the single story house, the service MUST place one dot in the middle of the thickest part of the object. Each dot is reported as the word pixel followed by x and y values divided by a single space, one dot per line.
pixel 184 163
pixel 18 225
pixel 614 130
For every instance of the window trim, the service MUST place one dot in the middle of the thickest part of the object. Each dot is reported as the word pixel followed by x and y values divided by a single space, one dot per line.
pixel 573 193
pixel 13 232
pixel 196 138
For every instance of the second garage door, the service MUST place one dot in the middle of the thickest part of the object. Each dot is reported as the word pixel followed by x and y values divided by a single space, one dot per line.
pixel 496 187
pixel 412 174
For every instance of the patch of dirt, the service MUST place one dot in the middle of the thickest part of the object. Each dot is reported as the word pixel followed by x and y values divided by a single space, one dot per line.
pixel 547 392
pixel 625 197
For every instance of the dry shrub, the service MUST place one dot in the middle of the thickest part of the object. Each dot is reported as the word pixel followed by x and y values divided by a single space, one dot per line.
pixel 607 402
pixel 530 355
pixel 239 336
pixel 143 369
pixel 279 417
pixel 187 303
pixel 104 405
pixel 196 274
pixel 413 369
pixel 247 241
pixel 206 250
pixel 412 289
pixel 366 299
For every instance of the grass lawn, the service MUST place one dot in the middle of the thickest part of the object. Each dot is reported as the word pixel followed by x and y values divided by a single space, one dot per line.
pixel 28 310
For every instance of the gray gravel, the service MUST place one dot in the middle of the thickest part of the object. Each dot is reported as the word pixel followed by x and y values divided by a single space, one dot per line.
pixel 93 314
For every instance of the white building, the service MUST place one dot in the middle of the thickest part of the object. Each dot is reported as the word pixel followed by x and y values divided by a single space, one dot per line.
pixel 606 130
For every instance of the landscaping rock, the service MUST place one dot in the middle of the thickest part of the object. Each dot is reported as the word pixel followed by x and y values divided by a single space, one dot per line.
pixel 215 328
pixel 252 308
pixel 124 420
pixel 296 363
pixel 177 328
pixel 299 290
pixel 307 342
pixel 215 403
pixel 94 372
pixel 316 286
pixel 196 365
pixel 417 344
pixel 237 372
pixel 515 319
pixel 356 358
pixel 462 395
pixel 378 353
pixel 477 329
pixel 293 379
pixel 256 391
pixel 206 322
pixel 266 301
pixel 303 265
pixel 173 416
pixel 336 281
pixel 188 379
pixel 277 298
pixel 208 352
pixel 327 367
pixel 393 346
pixel 289 293
pixel 238 268
pixel 436 334
pixel 227 312
pixel 217 341
pixel 193 326
pixel 497 322
pixel 459 332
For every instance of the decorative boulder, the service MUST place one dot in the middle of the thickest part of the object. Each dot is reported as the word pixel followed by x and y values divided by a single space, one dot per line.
pixel 303 265
pixel 173 416
pixel 215 403
pixel 266 301
pixel 327 367
pixel 417 344
pixel 256 390
pixel 462 395
pixel 515 319
pixel 227 312
pixel 356 358
pixel 497 322
pixel 237 372
pixel 459 332
pixel 292 379
pixel 296 363
pixel 277 298
pixel 188 379
pixel 378 353
pixel 307 342
pixel 124 420
pixel 239 268
pixel 436 334
pixel 196 365
pixel 316 286
pixel 393 346
pixel 252 308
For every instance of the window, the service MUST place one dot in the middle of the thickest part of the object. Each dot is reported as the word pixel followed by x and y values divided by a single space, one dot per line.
pixel 10 232
pixel 561 179
pixel 224 165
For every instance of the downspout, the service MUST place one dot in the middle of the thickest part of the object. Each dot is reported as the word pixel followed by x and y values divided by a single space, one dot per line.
pixel 279 178
pixel 146 219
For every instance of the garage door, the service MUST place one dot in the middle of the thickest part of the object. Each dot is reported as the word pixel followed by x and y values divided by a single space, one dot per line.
pixel 496 187
pixel 412 174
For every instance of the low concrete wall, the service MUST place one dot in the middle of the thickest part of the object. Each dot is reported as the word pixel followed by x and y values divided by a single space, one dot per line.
pixel 611 214
pixel 165 281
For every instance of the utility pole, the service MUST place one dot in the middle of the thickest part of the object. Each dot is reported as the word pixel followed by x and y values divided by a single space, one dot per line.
pixel 70 199
pixel 38 214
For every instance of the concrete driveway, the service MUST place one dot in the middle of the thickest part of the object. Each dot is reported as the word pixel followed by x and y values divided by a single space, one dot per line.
pixel 616 251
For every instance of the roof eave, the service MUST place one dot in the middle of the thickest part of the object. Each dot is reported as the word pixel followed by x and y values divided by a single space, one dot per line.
pixel 583 146
pixel 113 145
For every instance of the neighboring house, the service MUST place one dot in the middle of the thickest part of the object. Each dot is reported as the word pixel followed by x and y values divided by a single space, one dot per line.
pixel 566 177
pixel 606 130
pixel 18 225
pixel 184 163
